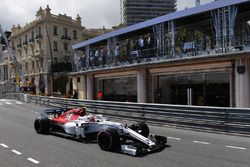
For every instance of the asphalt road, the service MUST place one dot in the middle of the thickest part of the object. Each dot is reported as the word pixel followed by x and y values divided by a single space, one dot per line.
pixel 20 146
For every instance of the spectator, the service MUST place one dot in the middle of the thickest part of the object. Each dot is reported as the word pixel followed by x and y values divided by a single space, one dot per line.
pixel 101 57
pixel 75 94
pixel 117 52
pixel 91 58
pixel 97 54
pixel 148 45
pixel 99 95
pixel 141 45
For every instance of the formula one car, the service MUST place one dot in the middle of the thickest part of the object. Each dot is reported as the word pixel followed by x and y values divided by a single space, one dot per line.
pixel 111 136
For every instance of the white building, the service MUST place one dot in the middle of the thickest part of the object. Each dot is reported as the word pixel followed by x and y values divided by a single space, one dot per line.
pixel 43 49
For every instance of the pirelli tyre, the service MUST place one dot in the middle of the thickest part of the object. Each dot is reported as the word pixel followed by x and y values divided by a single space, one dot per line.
pixel 42 125
pixel 108 139
pixel 140 128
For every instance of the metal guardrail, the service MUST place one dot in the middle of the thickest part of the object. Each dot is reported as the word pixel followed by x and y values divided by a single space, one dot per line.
pixel 216 119
pixel 225 120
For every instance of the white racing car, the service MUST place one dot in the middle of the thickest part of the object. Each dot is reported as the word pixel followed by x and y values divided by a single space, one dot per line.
pixel 111 136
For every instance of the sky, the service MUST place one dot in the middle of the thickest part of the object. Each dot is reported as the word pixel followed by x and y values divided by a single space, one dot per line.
pixel 94 13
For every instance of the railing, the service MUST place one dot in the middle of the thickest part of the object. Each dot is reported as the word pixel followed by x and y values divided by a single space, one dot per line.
pixel 38 36
pixel 216 119
pixel 100 58
pixel 25 43
pixel 66 37
pixel 31 40
pixel 38 52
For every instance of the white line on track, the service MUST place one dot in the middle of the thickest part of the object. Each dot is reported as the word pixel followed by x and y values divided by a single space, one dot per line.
pixel 16 152
pixel 18 102
pixel 201 142
pixel 4 145
pixel 33 160
pixel 173 138
pixel 234 147
pixel 8 103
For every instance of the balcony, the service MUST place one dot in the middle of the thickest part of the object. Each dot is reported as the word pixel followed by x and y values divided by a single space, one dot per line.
pixel 19 46
pixel 153 54
pixel 31 40
pixel 36 71
pixel 38 53
pixel 66 37
pixel 31 72
pixel 39 36
pixel 25 43
pixel 31 54
pixel 13 75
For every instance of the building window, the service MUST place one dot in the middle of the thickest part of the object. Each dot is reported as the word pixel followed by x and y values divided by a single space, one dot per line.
pixel 78 79
pixel 117 89
pixel 208 88
pixel 32 34
pixel 38 30
pixel 19 44
pixel 55 46
pixel 26 67
pixel 32 37
pixel 25 39
pixel 65 46
pixel 26 51
pixel 33 65
pixel 55 30
pixel 39 46
pixel 65 32
pixel 74 34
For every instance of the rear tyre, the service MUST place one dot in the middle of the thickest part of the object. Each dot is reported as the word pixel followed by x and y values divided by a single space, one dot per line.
pixel 42 126
pixel 141 128
pixel 108 139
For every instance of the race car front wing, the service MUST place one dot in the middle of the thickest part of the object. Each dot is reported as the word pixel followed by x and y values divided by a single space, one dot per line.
pixel 138 148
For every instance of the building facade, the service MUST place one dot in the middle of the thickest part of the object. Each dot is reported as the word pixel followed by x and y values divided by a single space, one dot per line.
pixel 43 49
pixel 135 11
pixel 198 56
pixel 4 68
pixel 4 59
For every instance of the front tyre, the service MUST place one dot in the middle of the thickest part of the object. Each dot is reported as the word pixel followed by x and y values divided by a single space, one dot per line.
pixel 42 126
pixel 108 139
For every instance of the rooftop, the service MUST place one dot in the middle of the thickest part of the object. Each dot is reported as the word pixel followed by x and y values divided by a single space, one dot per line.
pixel 172 16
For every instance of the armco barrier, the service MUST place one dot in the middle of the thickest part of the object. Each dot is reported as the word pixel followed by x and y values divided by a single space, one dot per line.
pixel 226 120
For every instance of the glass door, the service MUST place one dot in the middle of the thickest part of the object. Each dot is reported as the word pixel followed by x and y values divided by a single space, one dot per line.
pixel 198 89
pixel 183 90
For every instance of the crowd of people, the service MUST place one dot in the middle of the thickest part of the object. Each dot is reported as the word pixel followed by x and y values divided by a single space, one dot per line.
pixel 124 51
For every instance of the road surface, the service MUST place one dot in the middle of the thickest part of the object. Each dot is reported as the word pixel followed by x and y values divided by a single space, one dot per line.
pixel 20 146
